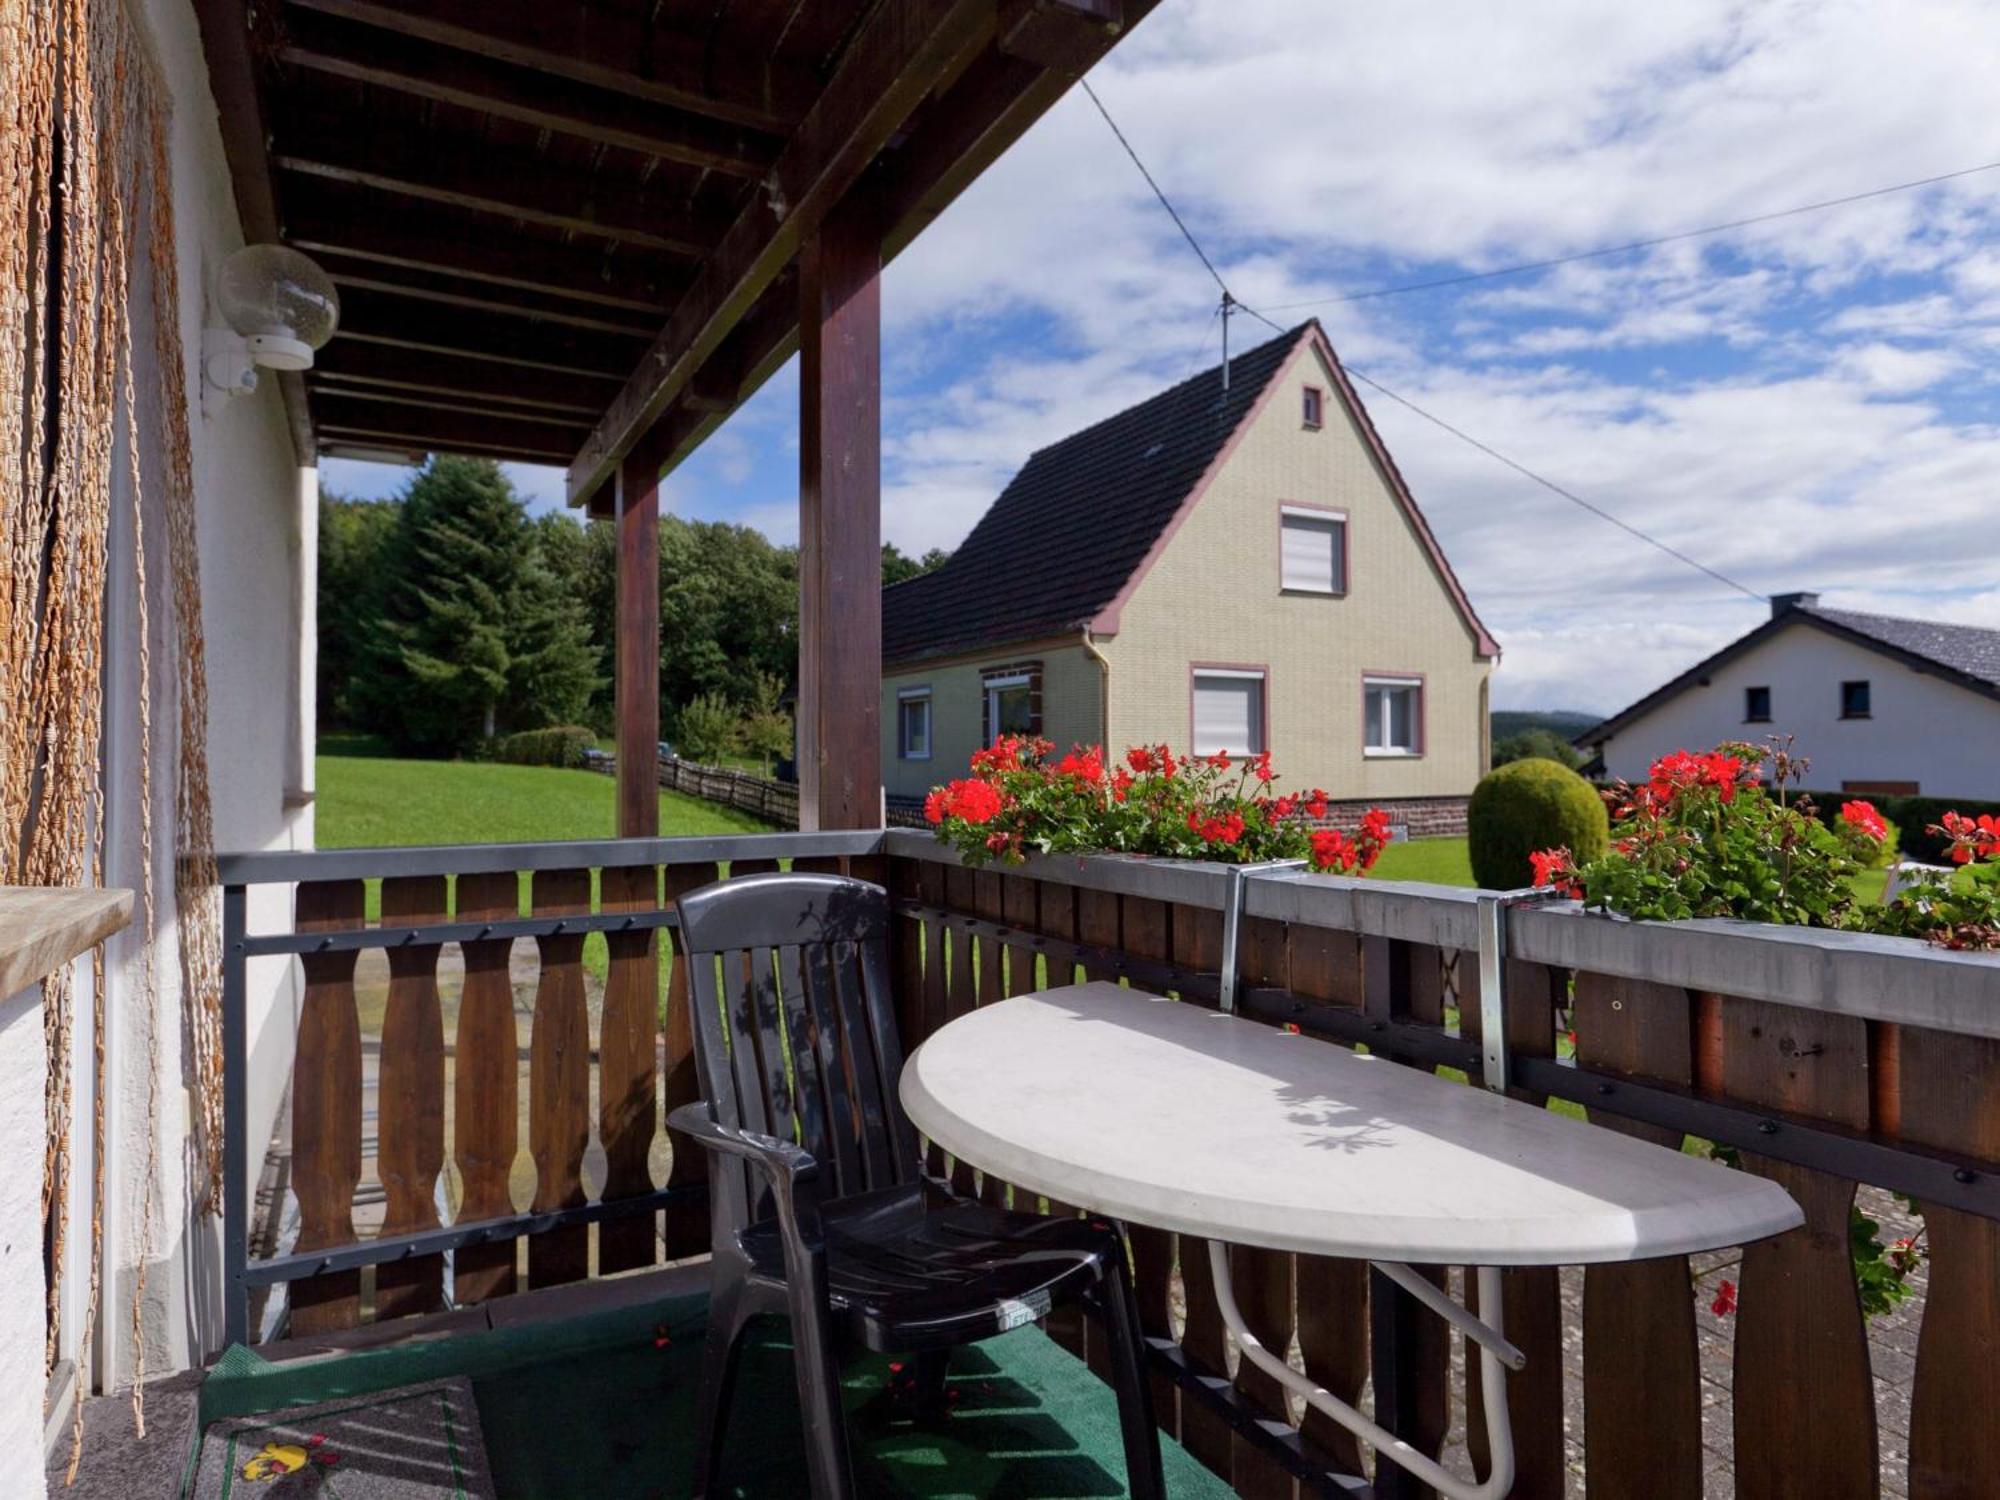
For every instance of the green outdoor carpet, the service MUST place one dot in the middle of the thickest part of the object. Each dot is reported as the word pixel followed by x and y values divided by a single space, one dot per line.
pixel 416 1442
pixel 601 1407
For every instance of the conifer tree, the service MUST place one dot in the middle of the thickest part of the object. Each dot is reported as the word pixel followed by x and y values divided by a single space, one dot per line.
pixel 473 636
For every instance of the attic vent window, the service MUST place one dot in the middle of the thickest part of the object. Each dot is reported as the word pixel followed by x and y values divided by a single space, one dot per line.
pixel 1312 407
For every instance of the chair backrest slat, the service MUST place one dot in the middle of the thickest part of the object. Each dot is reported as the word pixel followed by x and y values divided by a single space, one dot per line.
pixel 795 1030
pixel 872 1083
pixel 833 1073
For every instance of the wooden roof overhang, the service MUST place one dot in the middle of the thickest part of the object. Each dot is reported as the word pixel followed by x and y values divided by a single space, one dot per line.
pixel 564 229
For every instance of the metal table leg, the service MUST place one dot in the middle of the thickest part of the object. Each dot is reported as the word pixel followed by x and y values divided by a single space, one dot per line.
pixel 1496 1357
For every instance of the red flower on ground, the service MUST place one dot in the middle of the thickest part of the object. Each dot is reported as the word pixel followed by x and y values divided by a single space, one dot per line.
pixel 1863 817
pixel 1725 1300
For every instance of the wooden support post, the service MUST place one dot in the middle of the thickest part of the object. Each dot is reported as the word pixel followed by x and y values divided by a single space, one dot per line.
pixel 840 518
pixel 638 645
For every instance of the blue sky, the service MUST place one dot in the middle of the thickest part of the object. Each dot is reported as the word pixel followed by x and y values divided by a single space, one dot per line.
pixel 1807 403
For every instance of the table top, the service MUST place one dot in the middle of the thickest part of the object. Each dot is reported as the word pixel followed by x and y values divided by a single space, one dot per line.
pixel 44 927
pixel 1173 1115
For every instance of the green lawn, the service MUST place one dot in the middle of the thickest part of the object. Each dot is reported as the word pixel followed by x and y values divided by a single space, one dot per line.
pixel 366 800
pixel 1439 861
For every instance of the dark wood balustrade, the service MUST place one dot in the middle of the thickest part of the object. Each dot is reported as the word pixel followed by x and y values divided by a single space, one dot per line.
pixel 1826 1060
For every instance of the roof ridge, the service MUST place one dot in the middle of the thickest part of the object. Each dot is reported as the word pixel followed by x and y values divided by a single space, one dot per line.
pixel 1290 335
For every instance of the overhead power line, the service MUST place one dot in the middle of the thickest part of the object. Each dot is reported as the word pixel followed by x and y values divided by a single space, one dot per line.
pixel 1465 277
pixel 1230 303
pixel 1550 485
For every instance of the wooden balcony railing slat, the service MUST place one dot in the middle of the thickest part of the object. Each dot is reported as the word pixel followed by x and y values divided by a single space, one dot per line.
pixel 961 987
pixel 937 943
pixel 1641 1362
pixel 409 1095
pixel 628 1069
pixel 1324 965
pixel 486 1090
pixel 1804 1400
pixel 1055 915
pixel 326 1108
pixel 1533 1294
pixel 1951 1098
pixel 685 1226
pixel 989 901
pixel 1197 946
pixel 1263 1278
pixel 1141 926
pixel 559 1082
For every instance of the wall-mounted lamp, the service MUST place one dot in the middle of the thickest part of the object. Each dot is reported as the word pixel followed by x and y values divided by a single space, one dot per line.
pixel 279 307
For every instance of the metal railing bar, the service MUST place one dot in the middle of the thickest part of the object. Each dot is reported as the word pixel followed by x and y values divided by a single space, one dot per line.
pixel 304 1263
pixel 1817 969
pixel 235 1121
pixel 457 932
pixel 1277 1439
pixel 1917 1172
pixel 271 866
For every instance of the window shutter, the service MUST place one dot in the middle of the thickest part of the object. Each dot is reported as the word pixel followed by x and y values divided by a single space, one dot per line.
pixel 1311 553
pixel 1228 714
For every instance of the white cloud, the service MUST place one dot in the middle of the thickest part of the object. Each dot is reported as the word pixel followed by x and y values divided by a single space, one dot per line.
pixel 1786 402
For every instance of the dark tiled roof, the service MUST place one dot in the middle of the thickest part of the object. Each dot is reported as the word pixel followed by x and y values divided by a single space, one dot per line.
pixel 1973 650
pixel 1079 518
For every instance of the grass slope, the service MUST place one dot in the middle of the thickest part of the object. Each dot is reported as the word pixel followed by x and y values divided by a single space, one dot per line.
pixel 366 801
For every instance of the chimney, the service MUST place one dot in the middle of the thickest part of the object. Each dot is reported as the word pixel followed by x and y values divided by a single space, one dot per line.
pixel 1782 603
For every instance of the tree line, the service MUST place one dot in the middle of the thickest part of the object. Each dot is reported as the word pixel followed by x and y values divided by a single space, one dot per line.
pixel 449 615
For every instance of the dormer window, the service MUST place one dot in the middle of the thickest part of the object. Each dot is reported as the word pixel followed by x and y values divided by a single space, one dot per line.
pixel 1312 406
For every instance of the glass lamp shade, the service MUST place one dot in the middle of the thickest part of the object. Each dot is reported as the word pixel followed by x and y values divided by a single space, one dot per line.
pixel 283 304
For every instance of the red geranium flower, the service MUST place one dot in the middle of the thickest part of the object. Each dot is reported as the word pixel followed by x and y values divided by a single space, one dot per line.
pixel 1862 816
pixel 1725 1300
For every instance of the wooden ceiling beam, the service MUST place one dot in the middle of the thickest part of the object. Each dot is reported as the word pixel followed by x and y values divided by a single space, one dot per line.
pixel 336 221
pixel 435 429
pixel 345 396
pixel 966 127
pixel 360 362
pixel 603 47
pixel 423 288
pixel 506 186
pixel 905 50
pixel 371 317
pixel 363 435
pixel 448 75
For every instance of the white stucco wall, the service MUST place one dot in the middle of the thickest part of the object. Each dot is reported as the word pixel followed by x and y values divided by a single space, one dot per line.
pixel 256 517
pixel 23 1066
pixel 1921 729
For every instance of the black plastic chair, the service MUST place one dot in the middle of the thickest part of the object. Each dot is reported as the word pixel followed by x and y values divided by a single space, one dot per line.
pixel 820 1207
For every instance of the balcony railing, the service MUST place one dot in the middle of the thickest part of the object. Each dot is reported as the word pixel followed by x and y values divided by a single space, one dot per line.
pixel 1826 1060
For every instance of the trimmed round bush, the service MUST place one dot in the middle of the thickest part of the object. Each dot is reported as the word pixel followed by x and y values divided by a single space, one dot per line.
pixel 1527 805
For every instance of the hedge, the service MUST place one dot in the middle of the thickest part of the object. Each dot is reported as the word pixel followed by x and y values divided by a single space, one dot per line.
pixel 562 745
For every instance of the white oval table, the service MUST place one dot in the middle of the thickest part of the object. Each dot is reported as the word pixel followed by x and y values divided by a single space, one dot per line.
pixel 1156 1112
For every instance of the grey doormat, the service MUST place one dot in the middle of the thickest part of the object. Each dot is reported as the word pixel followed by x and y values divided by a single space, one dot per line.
pixel 416 1442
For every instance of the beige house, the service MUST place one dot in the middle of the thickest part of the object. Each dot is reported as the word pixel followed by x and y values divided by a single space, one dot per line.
pixel 1238 569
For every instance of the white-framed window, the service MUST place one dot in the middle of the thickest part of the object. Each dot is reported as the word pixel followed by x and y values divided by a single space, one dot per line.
pixel 1230 711
pixel 913 723
pixel 1312 550
pixel 1312 406
pixel 1392 715
pixel 1010 704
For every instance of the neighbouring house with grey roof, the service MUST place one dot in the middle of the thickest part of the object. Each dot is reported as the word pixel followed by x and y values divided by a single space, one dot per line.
pixel 1238 569
pixel 1880 704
